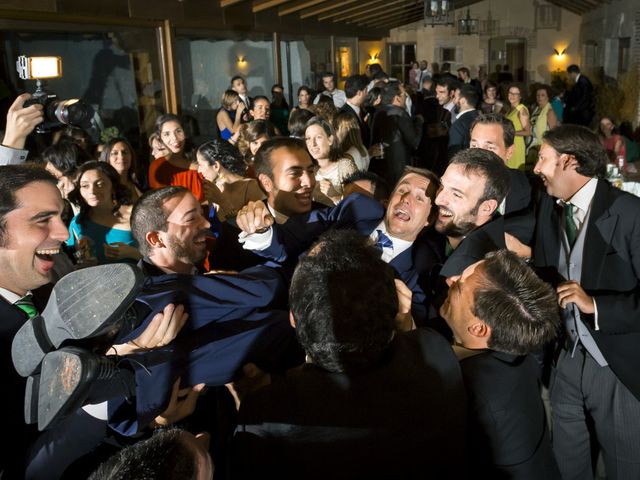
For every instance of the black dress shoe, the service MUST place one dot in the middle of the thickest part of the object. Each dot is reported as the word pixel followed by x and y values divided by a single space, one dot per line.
pixel 87 303
pixel 71 378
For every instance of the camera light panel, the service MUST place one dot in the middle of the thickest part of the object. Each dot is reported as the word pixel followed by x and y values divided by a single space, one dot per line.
pixel 44 67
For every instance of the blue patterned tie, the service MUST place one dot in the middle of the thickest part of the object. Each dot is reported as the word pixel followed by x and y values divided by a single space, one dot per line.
pixel 383 241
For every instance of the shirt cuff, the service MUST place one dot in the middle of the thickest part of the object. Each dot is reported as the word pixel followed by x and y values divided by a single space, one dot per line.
pixel 256 241
pixel 595 316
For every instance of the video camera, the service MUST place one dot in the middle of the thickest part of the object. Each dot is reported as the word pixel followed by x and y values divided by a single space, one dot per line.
pixel 56 112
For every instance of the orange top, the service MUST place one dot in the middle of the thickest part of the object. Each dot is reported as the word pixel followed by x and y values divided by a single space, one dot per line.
pixel 164 174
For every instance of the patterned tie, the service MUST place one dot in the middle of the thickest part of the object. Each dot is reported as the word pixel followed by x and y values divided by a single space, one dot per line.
pixel 383 241
pixel 570 225
pixel 27 306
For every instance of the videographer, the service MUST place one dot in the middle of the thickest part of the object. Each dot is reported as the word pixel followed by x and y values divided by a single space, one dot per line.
pixel 20 123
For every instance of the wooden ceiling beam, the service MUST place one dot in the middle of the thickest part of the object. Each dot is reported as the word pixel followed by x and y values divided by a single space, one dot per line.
pixel 228 3
pixel 296 6
pixel 375 12
pixel 262 5
pixel 416 12
pixel 359 7
pixel 399 22
pixel 325 7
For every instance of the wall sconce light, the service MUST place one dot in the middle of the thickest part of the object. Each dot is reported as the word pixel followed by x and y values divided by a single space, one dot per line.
pixel 374 57
pixel 241 60
pixel 560 53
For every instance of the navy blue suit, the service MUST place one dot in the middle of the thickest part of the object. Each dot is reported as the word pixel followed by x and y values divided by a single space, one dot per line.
pixel 357 212
pixel 233 320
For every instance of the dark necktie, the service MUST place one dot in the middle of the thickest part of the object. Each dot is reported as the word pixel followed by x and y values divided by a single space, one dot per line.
pixel 570 225
pixel 383 241
pixel 27 306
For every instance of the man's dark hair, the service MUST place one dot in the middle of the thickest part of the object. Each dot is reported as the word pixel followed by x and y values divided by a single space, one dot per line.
pixel 328 74
pixel 65 157
pixel 488 165
pixel 446 67
pixel 226 154
pixel 12 179
pixel 237 77
pixel 259 97
pixel 149 215
pixel 121 193
pixel 573 68
pixel 354 84
pixel 448 82
pixel 465 70
pixel 583 144
pixel 520 308
pixel 508 130
pixel 380 185
pixel 262 163
pixel 389 92
pixel 164 456
pixel 298 120
pixel 470 95
pixel 343 299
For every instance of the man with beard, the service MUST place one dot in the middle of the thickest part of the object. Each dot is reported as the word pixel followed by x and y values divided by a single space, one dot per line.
pixel 473 186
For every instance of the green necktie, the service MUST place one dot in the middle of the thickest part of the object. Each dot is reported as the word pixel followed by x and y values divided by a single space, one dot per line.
pixel 27 306
pixel 570 224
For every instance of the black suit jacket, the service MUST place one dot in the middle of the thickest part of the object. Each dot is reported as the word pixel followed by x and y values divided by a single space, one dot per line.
pixel 610 272
pixel 393 126
pixel 519 216
pixel 508 435
pixel 460 132
pixel 364 128
pixel 579 103
pixel 398 419
pixel 19 435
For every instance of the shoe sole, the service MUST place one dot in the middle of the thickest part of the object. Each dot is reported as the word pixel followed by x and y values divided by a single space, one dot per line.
pixel 63 387
pixel 84 304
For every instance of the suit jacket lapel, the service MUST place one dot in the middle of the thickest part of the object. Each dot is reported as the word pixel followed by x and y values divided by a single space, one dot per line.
pixel 600 228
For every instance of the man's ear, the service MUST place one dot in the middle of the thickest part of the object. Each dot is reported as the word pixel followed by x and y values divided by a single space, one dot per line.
pixel 509 152
pixel 487 207
pixel 266 182
pixel 479 329
pixel 153 239
pixel 292 320
pixel 570 162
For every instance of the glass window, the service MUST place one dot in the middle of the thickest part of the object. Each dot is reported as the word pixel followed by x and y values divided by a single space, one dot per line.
pixel 303 61
pixel 114 69
pixel 401 56
pixel 205 64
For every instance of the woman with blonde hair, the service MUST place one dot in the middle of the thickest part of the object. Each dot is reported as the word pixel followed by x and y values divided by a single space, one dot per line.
pixel 350 140
pixel 229 117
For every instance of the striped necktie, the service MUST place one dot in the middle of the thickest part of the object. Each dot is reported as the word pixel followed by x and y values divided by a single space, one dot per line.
pixel 27 306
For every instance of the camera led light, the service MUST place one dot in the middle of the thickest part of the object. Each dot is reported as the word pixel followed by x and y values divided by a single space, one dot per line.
pixel 40 67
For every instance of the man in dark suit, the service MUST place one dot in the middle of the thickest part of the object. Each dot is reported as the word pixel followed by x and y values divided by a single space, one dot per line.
pixel 355 88
pixel 500 312
pixel 399 133
pixel 409 211
pixel 460 131
pixel 590 232
pixel 495 133
pixel 239 85
pixel 473 186
pixel 368 395
pixel 579 102
pixel 286 173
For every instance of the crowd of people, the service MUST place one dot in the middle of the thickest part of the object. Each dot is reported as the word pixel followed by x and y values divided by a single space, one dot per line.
pixel 388 281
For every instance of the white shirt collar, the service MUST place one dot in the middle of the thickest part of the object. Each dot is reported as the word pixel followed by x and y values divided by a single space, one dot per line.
pixel 583 197
pixel 355 107
pixel 464 111
pixel 10 296
pixel 399 245
pixel 280 218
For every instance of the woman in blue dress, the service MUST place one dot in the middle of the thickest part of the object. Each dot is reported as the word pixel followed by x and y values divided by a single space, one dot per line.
pixel 229 117
pixel 102 231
